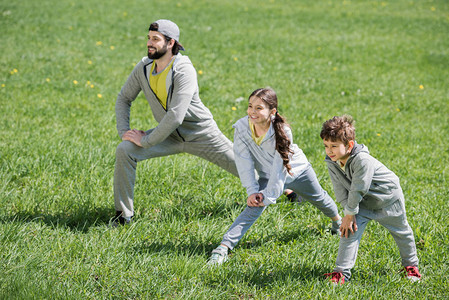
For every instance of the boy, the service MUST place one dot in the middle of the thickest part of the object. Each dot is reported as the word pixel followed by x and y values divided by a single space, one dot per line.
pixel 367 190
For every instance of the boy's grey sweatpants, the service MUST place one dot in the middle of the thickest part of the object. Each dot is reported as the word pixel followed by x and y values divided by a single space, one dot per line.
pixel 214 147
pixel 306 185
pixel 393 218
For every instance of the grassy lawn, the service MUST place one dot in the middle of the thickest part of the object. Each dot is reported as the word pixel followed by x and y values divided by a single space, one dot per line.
pixel 63 64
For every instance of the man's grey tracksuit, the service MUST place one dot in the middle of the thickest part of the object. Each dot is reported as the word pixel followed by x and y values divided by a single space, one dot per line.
pixel 186 125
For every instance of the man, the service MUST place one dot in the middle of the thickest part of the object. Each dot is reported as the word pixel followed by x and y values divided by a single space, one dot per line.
pixel 169 83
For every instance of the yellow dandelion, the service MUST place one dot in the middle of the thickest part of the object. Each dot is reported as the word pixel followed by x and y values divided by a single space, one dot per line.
pixel 99 43
pixel 378 134
pixel 334 68
pixel 47 79
pixel 397 109
pixel 89 62
pixel 75 82
pixel 15 71
pixel 200 72
pixel 112 47
pixel 88 82
pixel 3 85
pixel 433 8
pixel 421 87
pixel 235 58
pixel 234 108
pixel 99 95
pixel 125 14
pixel 92 86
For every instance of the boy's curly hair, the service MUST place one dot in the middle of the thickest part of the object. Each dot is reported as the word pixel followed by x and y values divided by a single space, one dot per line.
pixel 339 128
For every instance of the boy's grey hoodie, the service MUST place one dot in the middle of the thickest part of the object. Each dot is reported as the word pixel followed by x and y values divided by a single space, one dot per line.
pixel 365 182
pixel 186 117
pixel 265 160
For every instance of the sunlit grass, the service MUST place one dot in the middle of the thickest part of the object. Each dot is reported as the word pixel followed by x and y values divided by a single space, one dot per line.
pixel 63 64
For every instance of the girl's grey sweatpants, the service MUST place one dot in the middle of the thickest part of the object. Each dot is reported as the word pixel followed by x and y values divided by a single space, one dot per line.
pixel 393 218
pixel 305 185
pixel 214 147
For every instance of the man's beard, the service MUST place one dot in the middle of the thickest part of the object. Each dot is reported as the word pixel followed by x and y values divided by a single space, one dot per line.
pixel 158 53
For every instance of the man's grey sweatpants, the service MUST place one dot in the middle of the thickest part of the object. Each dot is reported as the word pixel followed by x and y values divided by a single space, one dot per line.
pixel 214 147
pixel 305 185
pixel 393 218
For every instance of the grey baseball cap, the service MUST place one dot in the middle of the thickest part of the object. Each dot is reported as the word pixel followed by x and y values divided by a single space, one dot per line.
pixel 170 29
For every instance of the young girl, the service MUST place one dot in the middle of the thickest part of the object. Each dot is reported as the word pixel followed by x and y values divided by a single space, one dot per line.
pixel 263 144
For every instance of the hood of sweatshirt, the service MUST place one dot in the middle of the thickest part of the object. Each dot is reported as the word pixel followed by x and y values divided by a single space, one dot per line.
pixel 180 60
pixel 242 126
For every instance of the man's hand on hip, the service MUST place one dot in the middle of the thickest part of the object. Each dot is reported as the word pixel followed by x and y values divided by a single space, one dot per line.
pixel 134 136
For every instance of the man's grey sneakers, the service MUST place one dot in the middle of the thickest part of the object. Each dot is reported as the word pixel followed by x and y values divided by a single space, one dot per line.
pixel 336 227
pixel 119 220
pixel 219 256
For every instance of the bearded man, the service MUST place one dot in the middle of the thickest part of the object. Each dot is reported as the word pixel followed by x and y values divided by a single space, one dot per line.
pixel 169 83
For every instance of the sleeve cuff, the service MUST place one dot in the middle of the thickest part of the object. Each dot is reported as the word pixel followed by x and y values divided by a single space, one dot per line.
pixel 145 143
pixel 351 212
pixel 267 201
pixel 252 190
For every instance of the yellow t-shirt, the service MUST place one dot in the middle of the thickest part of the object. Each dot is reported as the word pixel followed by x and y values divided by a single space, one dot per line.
pixel 256 139
pixel 342 167
pixel 158 83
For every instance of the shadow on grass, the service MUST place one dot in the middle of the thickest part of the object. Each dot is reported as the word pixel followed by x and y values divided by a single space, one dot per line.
pixel 261 277
pixel 191 246
pixel 79 220
pixel 188 209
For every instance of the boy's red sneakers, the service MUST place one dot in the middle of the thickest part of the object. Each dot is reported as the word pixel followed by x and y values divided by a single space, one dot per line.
pixel 412 274
pixel 336 278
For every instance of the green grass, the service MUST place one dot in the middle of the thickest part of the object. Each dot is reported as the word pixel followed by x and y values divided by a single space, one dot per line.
pixel 385 63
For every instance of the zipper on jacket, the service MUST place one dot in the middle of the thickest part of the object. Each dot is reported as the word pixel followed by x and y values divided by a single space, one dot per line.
pixel 170 96
pixel 170 89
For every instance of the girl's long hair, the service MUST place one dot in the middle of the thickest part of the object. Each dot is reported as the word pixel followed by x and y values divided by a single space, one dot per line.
pixel 268 96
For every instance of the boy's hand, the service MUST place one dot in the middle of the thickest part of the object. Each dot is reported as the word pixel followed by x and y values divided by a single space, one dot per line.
pixel 348 224
pixel 255 199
